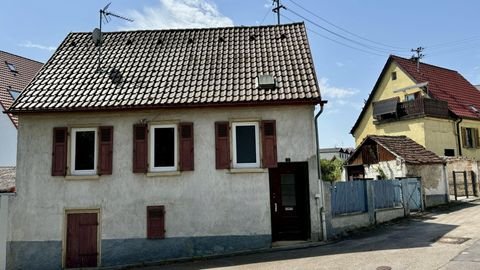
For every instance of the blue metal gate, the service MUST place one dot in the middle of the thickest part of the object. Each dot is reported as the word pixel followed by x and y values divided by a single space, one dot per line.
pixel 414 194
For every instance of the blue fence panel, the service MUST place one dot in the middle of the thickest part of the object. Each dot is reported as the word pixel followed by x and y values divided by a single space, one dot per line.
pixel 349 197
pixel 387 193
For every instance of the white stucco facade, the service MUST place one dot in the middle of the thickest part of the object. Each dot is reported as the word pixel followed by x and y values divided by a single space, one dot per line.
pixel 8 141
pixel 203 202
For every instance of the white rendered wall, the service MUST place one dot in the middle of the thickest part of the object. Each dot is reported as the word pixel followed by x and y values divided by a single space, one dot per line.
pixel 8 141
pixel 203 202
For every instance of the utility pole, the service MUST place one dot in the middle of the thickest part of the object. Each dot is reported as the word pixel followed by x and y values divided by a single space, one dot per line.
pixel 277 9
pixel 419 56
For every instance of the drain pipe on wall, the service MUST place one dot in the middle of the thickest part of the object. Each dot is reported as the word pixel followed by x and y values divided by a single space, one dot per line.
pixel 458 137
pixel 321 195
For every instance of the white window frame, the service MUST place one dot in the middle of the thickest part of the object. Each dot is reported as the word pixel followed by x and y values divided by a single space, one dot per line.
pixel 151 163
pixel 257 145
pixel 73 148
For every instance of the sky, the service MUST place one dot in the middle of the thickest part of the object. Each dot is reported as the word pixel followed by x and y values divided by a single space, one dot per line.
pixel 350 39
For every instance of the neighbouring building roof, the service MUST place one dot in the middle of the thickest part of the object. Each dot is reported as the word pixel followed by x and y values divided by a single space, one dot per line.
pixel 15 74
pixel 7 179
pixel 336 150
pixel 403 147
pixel 164 68
pixel 443 84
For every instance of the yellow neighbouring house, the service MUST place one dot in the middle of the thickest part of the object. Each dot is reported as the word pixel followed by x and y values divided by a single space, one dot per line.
pixel 436 107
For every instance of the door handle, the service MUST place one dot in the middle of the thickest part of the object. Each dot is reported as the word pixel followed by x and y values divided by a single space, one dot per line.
pixel 275 207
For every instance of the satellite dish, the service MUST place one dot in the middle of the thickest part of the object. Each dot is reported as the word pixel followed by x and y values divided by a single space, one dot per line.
pixel 97 36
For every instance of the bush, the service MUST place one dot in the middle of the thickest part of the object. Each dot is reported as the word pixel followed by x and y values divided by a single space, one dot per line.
pixel 331 169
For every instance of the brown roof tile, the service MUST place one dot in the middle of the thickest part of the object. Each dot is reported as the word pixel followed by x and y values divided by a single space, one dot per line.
pixel 16 81
pixel 7 179
pixel 162 68
pixel 406 148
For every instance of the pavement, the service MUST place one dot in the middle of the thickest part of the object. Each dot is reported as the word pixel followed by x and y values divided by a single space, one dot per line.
pixel 444 238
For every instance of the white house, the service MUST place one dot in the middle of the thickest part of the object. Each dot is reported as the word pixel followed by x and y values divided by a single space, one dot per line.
pixel 183 143
pixel 15 73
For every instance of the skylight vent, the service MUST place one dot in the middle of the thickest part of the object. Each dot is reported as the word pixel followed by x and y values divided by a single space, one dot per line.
pixel 283 36
pixel 221 39
pixel 253 37
pixel 474 109
pixel 129 42
pixel 159 41
pixel 11 67
pixel 190 40
pixel 73 43
pixel 265 82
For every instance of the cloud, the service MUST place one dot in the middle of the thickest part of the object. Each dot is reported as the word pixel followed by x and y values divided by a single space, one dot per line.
pixel 329 91
pixel 177 14
pixel 29 44
pixel 267 4
pixel 339 64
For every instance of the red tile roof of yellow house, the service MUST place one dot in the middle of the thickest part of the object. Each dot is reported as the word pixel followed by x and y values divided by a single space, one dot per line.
pixel 176 68
pixel 443 84
pixel 15 74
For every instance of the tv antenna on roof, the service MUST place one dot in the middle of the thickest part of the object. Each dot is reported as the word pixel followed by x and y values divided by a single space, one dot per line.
pixel 97 35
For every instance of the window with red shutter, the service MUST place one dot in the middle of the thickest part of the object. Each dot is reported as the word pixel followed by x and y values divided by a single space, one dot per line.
pixel 222 145
pixel 140 148
pixel 105 151
pixel 269 144
pixel 59 153
pixel 186 147
pixel 156 222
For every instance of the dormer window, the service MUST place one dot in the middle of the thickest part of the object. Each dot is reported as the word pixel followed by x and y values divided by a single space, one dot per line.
pixel 11 67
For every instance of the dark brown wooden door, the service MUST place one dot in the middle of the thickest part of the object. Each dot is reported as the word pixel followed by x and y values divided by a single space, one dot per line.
pixel 289 201
pixel 82 244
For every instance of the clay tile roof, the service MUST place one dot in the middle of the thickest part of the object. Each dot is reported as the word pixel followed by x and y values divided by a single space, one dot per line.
pixel 445 84
pixel 16 81
pixel 164 68
pixel 407 149
pixel 7 179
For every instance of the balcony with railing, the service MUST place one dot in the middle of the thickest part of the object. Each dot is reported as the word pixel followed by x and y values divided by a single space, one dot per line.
pixel 391 109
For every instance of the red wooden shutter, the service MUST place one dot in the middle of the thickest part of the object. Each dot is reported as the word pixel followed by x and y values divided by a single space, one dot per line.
pixel 186 147
pixel 222 145
pixel 140 148
pixel 269 144
pixel 105 150
pixel 59 153
pixel 156 222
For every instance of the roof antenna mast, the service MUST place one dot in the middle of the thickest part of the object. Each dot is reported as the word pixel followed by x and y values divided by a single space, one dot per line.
pixel 419 56
pixel 277 9
pixel 97 35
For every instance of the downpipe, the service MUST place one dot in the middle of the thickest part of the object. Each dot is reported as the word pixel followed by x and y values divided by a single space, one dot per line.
pixel 320 197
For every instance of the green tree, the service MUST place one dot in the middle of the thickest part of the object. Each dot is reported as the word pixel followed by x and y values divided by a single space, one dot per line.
pixel 331 169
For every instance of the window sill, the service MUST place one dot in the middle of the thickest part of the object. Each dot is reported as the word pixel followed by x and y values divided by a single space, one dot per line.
pixel 248 170
pixel 82 177
pixel 162 174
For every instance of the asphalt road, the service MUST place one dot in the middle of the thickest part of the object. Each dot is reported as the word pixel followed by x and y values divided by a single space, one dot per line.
pixel 447 238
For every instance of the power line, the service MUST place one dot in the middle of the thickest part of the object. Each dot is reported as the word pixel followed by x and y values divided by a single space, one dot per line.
pixel 339 35
pixel 392 48
pixel 336 41
pixel 265 16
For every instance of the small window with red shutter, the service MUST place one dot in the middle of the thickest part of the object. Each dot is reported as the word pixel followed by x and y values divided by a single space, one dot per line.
pixel 156 222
